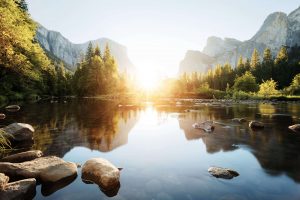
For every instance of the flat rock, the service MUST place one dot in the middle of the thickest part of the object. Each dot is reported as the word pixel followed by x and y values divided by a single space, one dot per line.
pixel 256 125
pixel 46 169
pixel 102 173
pixel 19 132
pixel 295 127
pixel 3 181
pixel 22 157
pixel 224 173
pixel 23 189
pixel 13 108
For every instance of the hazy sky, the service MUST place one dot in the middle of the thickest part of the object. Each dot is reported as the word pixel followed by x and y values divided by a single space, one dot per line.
pixel 157 33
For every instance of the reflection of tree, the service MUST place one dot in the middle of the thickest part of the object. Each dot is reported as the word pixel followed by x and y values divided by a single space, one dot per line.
pixel 91 123
pixel 276 149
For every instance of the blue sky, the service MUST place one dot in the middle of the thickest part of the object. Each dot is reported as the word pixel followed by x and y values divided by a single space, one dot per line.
pixel 157 33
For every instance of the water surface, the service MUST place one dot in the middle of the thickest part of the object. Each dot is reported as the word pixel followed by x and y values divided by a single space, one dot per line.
pixel 162 156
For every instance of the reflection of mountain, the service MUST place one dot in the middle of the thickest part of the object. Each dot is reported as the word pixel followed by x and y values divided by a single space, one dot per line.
pixel 94 124
pixel 276 149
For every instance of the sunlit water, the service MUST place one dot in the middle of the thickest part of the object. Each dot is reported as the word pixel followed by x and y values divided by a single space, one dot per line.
pixel 162 156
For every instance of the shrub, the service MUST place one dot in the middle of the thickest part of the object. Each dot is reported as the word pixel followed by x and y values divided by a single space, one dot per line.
pixel 246 83
pixel 208 93
pixel 268 88
pixel 241 95
pixel 294 88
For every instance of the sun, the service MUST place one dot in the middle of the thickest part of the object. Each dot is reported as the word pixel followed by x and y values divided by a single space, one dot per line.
pixel 147 79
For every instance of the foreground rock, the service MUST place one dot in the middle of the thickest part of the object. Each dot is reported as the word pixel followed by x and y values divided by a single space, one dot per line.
pixel 46 169
pixel 3 181
pixel 224 173
pixel 19 132
pixel 22 157
pixel 256 125
pixel 102 173
pixel 24 189
pixel 12 108
pixel 295 127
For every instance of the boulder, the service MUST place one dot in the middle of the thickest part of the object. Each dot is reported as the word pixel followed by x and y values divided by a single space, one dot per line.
pixel 295 127
pixel 13 108
pixel 3 181
pixel 46 169
pixel 224 173
pixel 102 173
pixel 24 189
pixel 19 132
pixel 2 116
pixel 256 125
pixel 22 157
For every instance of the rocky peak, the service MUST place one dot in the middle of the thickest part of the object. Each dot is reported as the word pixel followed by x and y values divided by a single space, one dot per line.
pixel 294 28
pixel 60 47
pixel 216 46
pixel 273 32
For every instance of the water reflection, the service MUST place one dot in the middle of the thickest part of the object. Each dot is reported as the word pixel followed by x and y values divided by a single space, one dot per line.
pixel 275 147
pixel 165 151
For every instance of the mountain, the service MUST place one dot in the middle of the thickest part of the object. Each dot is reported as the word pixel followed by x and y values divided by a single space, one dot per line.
pixel 279 29
pixel 60 48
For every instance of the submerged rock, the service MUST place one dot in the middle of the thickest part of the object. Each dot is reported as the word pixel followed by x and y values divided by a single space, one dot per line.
pixel 3 181
pixel 19 132
pixel 50 188
pixel 206 126
pixel 239 120
pixel 256 125
pixel 22 157
pixel 2 116
pixel 46 169
pixel 12 108
pixel 224 173
pixel 295 127
pixel 102 173
pixel 23 189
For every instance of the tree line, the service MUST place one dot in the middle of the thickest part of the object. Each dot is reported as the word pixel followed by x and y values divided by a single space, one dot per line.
pixel 27 71
pixel 249 75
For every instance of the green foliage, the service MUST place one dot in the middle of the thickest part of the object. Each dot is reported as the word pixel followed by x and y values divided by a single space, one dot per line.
pixel 22 5
pixel 255 61
pixel 208 93
pixel 294 88
pixel 96 75
pixel 241 95
pixel 268 88
pixel 246 83
pixel 23 63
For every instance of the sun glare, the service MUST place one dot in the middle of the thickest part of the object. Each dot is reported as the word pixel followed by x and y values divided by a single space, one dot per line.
pixel 148 80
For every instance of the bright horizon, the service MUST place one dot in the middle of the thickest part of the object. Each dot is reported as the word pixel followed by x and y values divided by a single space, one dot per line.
pixel 156 33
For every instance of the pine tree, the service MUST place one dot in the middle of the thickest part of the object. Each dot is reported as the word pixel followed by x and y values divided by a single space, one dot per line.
pixel 97 51
pixel 282 56
pixel 22 4
pixel 255 62
pixel 89 52
pixel 267 65
pixel 240 68
pixel 282 71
